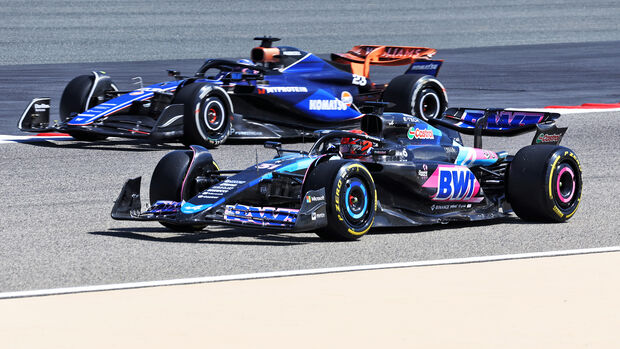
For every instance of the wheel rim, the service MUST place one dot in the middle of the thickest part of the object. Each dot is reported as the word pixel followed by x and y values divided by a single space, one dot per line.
pixel 213 115
pixel 429 105
pixel 356 201
pixel 565 185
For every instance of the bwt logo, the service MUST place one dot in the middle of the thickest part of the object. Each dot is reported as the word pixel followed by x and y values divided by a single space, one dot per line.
pixel 456 184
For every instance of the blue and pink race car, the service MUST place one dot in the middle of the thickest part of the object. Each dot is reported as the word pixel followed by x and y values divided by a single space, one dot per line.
pixel 281 92
pixel 397 171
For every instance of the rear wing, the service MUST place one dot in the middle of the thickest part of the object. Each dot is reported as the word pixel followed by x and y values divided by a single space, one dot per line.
pixel 361 57
pixel 497 122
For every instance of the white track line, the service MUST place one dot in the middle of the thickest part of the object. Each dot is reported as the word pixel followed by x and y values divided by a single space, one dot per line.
pixel 21 139
pixel 565 111
pixel 237 277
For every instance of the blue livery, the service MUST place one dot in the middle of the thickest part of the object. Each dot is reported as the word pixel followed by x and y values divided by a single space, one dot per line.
pixel 281 92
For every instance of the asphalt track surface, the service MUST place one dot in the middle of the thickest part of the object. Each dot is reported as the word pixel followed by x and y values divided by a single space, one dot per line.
pixel 62 31
pixel 517 76
pixel 55 227
pixel 56 230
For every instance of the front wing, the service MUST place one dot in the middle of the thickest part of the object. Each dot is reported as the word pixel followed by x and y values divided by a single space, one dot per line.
pixel 167 125
pixel 310 216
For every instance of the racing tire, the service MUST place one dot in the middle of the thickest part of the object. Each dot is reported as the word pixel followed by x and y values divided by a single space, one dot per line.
pixel 544 183
pixel 350 196
pixel 418 95
pixel 167 183
pixel 207 116
pixel 74 99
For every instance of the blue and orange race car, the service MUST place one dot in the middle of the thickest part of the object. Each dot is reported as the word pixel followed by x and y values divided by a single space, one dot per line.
pixel 282 92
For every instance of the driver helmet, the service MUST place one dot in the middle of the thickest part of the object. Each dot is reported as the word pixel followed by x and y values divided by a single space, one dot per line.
pixel 355 148
pixel 247 62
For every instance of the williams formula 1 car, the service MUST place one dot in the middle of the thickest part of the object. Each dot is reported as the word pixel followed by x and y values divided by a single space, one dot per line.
pixel 282 92
pixel 398 171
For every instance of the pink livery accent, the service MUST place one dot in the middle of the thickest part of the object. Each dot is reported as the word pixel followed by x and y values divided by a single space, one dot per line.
pixel 572 176
pixel 473 156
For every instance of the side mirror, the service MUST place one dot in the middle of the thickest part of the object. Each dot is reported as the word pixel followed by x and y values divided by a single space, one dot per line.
pixel 274 145
pixel 174 73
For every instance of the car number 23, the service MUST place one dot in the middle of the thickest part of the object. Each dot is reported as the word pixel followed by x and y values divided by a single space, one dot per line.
pixel 359 80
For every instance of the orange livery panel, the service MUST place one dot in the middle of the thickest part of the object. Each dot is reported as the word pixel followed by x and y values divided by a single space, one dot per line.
pixel 361 57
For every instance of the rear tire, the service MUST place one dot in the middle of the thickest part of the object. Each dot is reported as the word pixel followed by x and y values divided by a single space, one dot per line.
pixel 428 102
pixel 350 196
pixel 544 183
pixel 75 99
pixel 207 117
pixel 167 183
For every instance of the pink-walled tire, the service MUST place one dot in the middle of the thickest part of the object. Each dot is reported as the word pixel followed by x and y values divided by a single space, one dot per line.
pixel 544 183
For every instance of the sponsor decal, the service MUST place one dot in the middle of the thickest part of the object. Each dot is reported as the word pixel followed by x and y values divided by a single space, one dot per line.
pixel 450 207
pixel 291 53
pixel 487 155
pixel 503 118
pixel 416 133
pixel 424 171
pixel 450 150
pixel 281 89
pixel 247 133
pixel 429 66
pixel 405 118
pixel 163 207
pixel 346 98
pixel 267 166
pixel 310 199
pixel 548 138
pixel 327 104
pixel 315 215
pixel 265 216
pixel 38 107
pixel 474 156
pixel 454 183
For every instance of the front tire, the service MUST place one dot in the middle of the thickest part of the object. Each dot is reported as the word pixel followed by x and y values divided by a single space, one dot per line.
pixel 350 196
pixel 418 95
pixel 75 99
pixel 207 117
pixel 544 183
pixel 167 184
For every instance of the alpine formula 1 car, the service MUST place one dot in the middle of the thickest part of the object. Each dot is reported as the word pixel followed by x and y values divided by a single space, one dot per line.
pixel 282 92
pixel 398 171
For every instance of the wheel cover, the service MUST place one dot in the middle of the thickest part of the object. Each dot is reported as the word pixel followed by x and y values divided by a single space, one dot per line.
pixel 565 185
pixel 356 201
pixel 213 115
pixel 429 105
